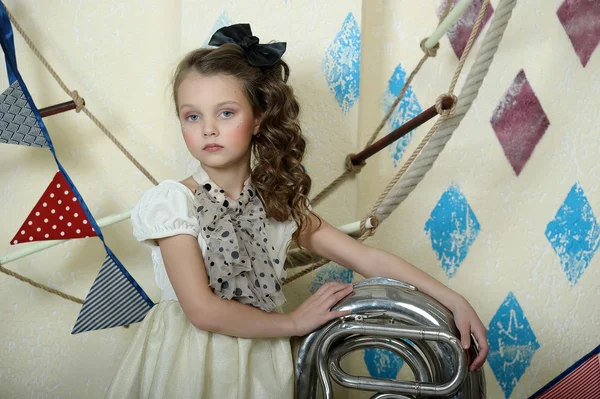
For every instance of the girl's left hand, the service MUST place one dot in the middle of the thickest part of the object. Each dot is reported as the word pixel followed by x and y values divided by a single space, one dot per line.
pixel 468 322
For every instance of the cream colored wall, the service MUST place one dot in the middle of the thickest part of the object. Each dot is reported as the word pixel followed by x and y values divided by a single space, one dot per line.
pixel 309 28
pixel 120 56
pixel 111 53
pixel 511 252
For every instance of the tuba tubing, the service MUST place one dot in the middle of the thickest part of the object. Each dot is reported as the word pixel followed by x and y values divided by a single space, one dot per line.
pixel 401 348
pixel 372 384
pixel 385 314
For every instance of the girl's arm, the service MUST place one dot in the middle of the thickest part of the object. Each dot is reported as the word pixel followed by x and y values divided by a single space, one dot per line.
pixel 330 243
pixel 185 267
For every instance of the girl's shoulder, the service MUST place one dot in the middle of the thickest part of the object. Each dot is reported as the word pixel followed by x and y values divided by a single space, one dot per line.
pixel 165 191
pixel 190 183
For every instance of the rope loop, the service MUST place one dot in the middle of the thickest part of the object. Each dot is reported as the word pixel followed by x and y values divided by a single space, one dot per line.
pixel 446 97
pixel 368 231
pixel 350 167
pixel 79 101
pixel 431 52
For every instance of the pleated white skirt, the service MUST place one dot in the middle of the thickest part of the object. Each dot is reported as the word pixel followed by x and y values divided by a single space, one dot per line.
pixel 170 358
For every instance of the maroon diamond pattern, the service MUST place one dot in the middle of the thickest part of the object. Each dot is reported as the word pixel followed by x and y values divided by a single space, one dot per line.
pixel 581 20
pixel 459 33
pixel 519 122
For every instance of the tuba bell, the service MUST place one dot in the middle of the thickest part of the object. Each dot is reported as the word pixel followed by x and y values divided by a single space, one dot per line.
pixel 394 316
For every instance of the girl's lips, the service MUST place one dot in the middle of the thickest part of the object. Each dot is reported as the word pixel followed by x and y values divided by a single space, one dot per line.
pixel 212 148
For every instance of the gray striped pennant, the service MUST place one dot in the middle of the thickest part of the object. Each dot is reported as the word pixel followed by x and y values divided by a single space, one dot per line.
pixel 114 300
pixel 17 121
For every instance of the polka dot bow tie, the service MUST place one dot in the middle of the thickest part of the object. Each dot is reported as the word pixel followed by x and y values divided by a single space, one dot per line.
pixel 239 260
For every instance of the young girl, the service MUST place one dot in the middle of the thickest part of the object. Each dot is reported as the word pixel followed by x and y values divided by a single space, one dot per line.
pixel 219 239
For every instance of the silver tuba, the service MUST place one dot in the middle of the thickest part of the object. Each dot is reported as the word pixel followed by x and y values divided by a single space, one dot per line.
pixel 397 317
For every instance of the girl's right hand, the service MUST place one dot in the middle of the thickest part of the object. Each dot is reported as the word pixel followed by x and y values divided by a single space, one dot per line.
pixel 316 310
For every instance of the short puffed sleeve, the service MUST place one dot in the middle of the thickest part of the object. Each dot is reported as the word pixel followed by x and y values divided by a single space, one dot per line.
pixel 163 211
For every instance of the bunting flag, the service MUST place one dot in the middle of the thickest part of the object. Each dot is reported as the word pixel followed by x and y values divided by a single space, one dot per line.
pixel 114 300
pixel 58 215
pixel 8 44
pixel 580 381
pixel 18 124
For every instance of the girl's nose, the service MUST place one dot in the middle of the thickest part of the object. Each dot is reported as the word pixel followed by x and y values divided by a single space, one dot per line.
pixel 210 129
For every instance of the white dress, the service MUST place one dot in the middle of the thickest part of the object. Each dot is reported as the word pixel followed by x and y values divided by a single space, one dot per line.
pixel 169 357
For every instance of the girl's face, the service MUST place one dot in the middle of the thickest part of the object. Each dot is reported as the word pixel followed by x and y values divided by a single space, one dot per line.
pixel 217 120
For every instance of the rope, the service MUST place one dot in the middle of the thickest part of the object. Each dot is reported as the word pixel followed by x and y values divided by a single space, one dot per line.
pixel 79 102
pixel 443 112
pixel 400 96
pixel 469 92
pixel 443 129
pixel 366 233
pixel 469 44
pixel 79 106
pixel 346 173
pixel 383 206
pixel 430 52
pixel 119 146
pixel 40 286
pixel 439 107
pixel 297 256
pixel 427 54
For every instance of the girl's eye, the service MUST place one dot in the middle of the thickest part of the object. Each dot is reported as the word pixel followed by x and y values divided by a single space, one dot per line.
pixel 227 114
pixel 192 118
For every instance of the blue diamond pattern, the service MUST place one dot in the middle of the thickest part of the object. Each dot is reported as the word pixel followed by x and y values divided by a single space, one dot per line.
pixel 382 363
pixel 331 272
pixel 512 344
pixel 341 64
pixel 452 229
pixel 222 21
pixel 407 109
pixel 574 234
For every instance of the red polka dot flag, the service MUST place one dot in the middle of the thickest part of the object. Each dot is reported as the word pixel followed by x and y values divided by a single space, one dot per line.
pixel 58 215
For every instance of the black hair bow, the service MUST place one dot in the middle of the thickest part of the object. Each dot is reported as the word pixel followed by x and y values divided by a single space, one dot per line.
pixel 257 54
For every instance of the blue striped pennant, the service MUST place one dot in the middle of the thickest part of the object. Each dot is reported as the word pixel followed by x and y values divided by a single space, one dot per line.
pixel 114 300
